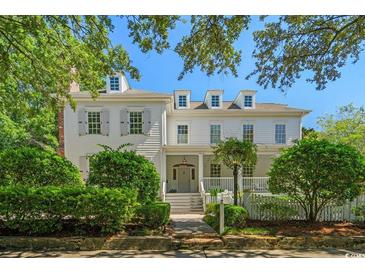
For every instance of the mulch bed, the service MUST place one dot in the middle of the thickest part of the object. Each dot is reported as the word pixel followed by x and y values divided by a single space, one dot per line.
pixel 302 228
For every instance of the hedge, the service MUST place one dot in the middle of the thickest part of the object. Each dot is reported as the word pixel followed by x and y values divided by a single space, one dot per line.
pixel 34 166
pixel 234 216
pixel 46 210
pixel 154 215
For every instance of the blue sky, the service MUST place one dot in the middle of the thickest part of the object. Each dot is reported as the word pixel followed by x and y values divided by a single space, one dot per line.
pixel 160 72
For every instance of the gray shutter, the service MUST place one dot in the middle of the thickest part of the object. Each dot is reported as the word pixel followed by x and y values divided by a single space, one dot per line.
pixel 146 121
pixel 82 121
pixel 124 123
pixel 105 122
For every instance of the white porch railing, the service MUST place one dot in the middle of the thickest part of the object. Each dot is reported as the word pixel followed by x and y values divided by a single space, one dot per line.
pixel 218 182
pixel 257 184
pixel 203 194
pixel 163 191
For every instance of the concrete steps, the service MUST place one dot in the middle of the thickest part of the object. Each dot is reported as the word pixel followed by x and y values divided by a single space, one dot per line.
pixel 185 202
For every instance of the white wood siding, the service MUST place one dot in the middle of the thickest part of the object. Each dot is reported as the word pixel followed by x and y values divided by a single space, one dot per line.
pixel 147 145
pixel 264 128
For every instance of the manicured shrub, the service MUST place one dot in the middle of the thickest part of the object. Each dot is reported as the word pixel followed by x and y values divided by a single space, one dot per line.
pixel 45 210
pixel 234 216
pixel 154 215
pixel 125 169
pixel 33 166
pixel 317 173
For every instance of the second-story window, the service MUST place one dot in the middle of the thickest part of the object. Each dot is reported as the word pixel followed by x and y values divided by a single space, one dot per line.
pixel 280 134
pixel 94 122
pixel 182 101
pixel 215 134
pixel 247 103
pixel 135 122
pixel 182 134
pixel 247 134
pixel 215 100
pixel 114 83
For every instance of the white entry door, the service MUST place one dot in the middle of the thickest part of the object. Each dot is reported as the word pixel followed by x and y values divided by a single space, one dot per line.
pixel 183 179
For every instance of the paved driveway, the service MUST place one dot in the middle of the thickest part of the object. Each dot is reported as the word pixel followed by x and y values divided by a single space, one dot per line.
pixel 325 253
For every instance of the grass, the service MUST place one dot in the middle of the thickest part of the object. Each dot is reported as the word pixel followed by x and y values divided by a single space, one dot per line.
pixel 250 231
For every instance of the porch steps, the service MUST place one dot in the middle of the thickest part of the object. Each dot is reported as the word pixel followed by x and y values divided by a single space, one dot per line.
pixel 185 202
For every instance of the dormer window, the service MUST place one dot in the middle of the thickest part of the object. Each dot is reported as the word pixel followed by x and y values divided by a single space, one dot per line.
pixel 182 101
pixel 215 100
pixel 247 103
pixel 114 83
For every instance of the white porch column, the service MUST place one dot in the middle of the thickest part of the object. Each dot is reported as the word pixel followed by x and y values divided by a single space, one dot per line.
pixel 201 166
pixel 163 167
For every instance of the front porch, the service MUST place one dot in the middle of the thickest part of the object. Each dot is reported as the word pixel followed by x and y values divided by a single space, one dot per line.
pixel 186 172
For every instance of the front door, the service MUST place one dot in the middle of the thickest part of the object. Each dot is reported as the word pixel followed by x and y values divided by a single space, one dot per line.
pixel 184 179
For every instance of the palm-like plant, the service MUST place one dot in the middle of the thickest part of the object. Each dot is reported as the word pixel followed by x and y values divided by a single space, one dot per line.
pixel 235 153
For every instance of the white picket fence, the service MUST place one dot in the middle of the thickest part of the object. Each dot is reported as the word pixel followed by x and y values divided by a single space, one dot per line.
pixel 253 202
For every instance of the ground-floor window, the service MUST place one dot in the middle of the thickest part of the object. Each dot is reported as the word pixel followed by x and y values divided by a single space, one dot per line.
pixel 247 171
pixel 215 170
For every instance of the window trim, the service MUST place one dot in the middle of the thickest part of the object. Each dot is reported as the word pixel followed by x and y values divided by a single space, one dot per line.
pixel 285 132
pixel 186 100
pixel 177 133
pixel 111 85
pixel 210 131
pixel 210 170
pixel 244 101
pixel 88 123
pixel 219 101
pixel 249 123
pixel 129 121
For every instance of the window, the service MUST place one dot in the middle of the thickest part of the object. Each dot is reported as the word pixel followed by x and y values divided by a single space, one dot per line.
pixel 182 134
pixel 114 83
pixel 182 101
pixel 247 171
pixel 247 101
pixel 215 170
pixel 280 134
pixel 94 123
pixel 193 173
pixel 174 174
pixel 135 122
pixel 215 134
pixel 248 133
pixel 215 100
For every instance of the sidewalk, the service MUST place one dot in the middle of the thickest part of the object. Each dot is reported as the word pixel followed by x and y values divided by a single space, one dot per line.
pixel 325 253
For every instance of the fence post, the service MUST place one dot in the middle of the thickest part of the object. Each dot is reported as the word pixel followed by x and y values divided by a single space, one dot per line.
pixel 221 216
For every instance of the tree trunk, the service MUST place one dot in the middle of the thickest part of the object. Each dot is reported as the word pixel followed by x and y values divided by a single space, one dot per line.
pixel 235 184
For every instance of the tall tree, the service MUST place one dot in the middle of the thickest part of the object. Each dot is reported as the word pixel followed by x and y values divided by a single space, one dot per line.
pixel 346 126
pixel 235 153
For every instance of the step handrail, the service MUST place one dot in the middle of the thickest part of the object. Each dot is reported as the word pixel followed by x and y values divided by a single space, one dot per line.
pixel 202 193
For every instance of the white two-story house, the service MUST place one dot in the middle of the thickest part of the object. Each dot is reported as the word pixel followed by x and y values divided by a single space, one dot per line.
pixel 176 133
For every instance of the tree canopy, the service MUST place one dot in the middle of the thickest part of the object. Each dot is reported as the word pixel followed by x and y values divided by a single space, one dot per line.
pixel 346 126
